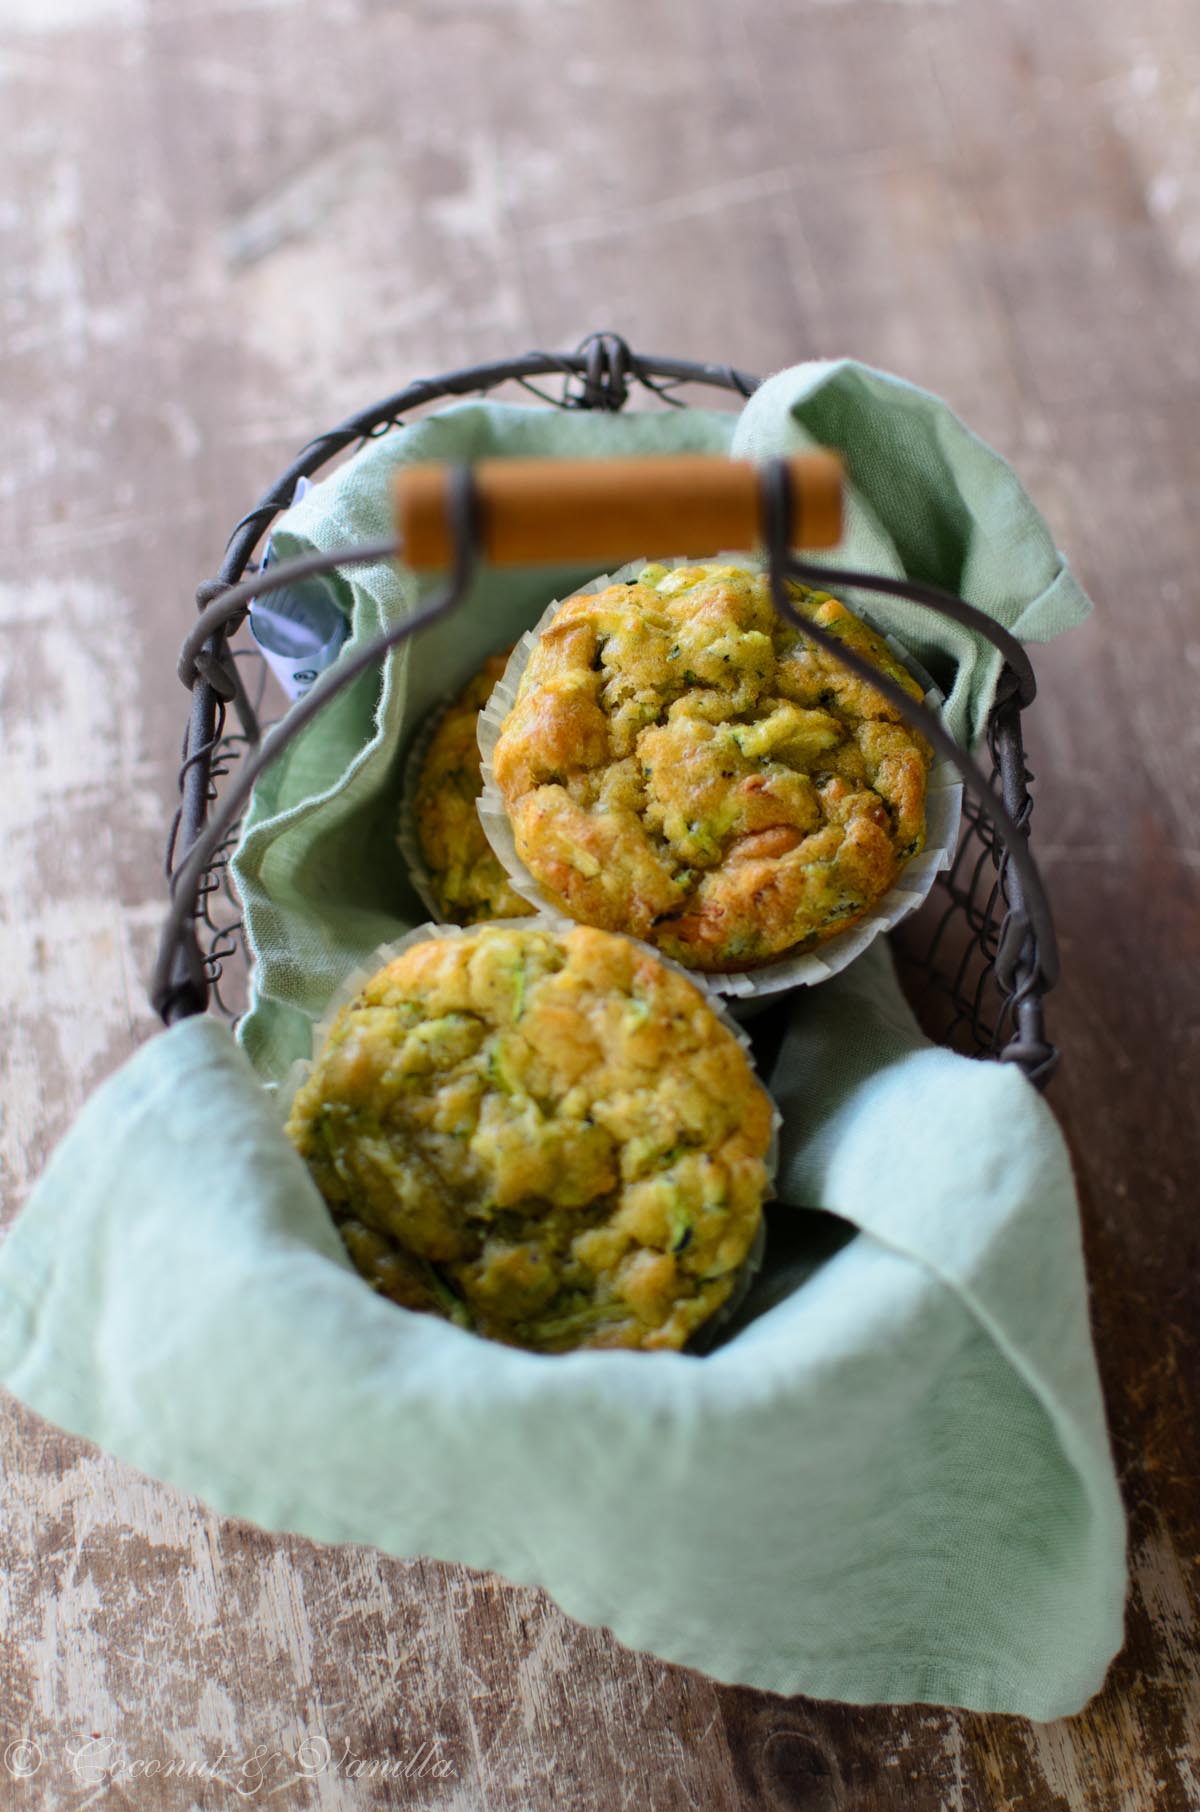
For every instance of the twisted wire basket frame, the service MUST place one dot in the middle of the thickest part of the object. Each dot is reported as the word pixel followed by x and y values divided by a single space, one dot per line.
pixel 948 950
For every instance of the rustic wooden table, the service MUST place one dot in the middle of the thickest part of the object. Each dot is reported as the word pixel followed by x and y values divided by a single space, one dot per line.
pixel 224 224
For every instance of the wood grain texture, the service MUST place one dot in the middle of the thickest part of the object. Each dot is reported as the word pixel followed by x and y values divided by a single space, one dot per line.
pixel 223 225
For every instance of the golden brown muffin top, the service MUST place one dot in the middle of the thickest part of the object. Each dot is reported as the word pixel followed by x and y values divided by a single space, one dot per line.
pixel 545 1134
pixel 683 765
pixel 469 883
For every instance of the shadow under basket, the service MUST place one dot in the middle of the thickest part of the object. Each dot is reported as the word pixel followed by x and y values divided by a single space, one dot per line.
pixel 971 958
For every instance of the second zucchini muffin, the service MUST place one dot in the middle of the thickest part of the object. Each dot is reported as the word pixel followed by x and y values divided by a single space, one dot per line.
pixel 681 765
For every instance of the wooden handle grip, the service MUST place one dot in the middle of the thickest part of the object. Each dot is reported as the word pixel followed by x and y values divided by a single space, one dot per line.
pixel 554 511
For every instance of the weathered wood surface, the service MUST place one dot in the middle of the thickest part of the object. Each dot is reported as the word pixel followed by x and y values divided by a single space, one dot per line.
pixel 224 224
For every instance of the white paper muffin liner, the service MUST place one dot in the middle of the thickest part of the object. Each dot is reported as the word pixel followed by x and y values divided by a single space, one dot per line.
pixel 943 812
pixel 348 990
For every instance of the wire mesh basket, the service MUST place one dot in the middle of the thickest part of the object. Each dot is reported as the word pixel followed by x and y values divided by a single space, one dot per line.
pixel 977 959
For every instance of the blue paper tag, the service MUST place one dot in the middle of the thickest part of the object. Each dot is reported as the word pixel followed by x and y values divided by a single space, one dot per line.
pixel 301 628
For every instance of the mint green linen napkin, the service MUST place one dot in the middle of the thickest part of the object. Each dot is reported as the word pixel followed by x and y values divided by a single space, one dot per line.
pixel 892 1483
pixel 929 499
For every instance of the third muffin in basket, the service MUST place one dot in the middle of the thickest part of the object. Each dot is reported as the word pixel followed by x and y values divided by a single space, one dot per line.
pixel 462 879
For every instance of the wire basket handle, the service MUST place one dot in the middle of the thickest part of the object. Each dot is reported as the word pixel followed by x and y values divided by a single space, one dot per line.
pixel 531 511
pixel 536 511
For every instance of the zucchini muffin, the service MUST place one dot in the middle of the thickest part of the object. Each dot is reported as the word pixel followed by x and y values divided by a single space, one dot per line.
pixel 467 879
pixel 542 1133
pixel 683 765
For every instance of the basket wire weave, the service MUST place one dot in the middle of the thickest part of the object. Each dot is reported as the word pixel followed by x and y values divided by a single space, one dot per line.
pixel 948 951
